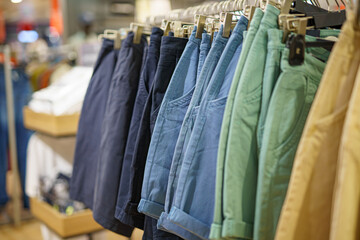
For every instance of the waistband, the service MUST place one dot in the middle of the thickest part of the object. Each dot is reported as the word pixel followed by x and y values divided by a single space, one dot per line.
pixel 193 39
pixel 271 15
pixel 155 40
pixel 173 44
pixel 128 42
pixel 219 38
pixel 241 25
pixel 256 20
pixel 107 44
pixel 205 42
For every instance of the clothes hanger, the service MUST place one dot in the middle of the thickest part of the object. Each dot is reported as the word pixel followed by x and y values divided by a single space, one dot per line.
pixel 321 17
pixel 139 30
pixel 112 35
pixel 297 44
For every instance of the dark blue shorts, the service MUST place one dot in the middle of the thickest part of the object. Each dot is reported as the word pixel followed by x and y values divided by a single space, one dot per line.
pixel 92 115
pixel 123 206
pixel 114 133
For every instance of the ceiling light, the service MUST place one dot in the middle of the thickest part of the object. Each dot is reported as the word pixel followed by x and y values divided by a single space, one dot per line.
pixel 16 1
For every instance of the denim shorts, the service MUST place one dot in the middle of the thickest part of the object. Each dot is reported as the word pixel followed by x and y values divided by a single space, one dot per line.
pixel 170 52
pixel 116 123
pixel 210 64
pixel 127 177
pixel 92 115
pixel 193 206
pixel 168 123
pixel 163 223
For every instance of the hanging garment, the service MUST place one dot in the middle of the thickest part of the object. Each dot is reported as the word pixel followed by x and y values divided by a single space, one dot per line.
pixel 204 77
pixel 240 169
pixel 90 123
pixel 216 228
pixel 124 207
pixel 168 123
pixel 21 95
pixel 272 72
pixel 288 110
pixel 163 222
pixel 115 126
pixel 306 213
pixel 193 206
pixel 346 202
pixel 170 53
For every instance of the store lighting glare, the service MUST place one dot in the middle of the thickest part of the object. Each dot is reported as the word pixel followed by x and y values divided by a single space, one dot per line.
pixel 28 36
pixel 16 1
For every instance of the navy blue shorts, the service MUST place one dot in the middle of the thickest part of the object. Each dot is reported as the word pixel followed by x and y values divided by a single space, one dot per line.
pixel 147 76
pixel 114 133
pixel 92 115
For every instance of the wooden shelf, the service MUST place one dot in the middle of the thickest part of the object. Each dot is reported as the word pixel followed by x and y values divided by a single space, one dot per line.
pixel 57 126
pixel 65 226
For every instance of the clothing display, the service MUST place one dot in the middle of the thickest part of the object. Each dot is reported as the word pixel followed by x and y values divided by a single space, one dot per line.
pixel 54 99
pixel 115 127
pixel 243 127
pixel 314 189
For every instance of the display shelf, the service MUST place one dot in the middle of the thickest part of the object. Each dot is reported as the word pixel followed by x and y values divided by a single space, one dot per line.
pixel 65 226
pixel 57 126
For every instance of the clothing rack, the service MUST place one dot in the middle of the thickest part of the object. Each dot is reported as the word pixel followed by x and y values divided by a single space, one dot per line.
pixel 212 8
pixel 15 198
pixel 215 8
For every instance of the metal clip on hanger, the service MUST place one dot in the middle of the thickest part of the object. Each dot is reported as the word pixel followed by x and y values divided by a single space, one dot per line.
pixel 113 35
pixel 139 30
pixel 200 24
pixel 227 25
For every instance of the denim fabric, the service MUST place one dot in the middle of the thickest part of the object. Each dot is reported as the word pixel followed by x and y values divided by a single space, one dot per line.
pixel 210 64
pixel 115 128
pixel 168 123
pixel 216 228
pixel 193 207
pixel 163 223
pixel 92 115
pixel 125 193
pixel 288 109
pixel 240 168
pixel 21 94
pixel 170 52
